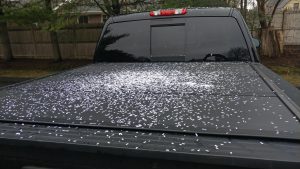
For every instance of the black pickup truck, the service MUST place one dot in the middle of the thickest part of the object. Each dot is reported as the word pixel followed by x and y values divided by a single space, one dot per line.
pixel 178 88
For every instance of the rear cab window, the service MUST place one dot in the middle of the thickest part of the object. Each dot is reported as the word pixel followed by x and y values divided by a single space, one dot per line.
pixel 183 39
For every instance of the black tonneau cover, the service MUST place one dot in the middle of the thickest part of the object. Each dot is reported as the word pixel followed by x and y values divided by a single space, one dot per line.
pixel 203 98
pixel 54 146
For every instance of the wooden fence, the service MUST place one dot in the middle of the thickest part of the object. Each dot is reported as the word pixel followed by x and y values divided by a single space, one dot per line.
pixel 79 42
pixel 286 25
pixel 75 43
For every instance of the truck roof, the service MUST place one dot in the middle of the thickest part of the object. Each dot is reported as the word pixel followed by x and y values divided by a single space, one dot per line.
pixel 192 12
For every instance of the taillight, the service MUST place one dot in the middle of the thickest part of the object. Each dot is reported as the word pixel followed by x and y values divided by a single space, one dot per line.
pixel 169 12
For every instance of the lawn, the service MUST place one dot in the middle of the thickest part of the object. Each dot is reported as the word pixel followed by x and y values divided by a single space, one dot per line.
pixel 37 68
pixel 21 70
pixel 291 74
pixel 288 68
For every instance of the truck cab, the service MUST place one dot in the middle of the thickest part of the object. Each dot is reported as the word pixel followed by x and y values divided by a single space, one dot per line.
pixel 180 35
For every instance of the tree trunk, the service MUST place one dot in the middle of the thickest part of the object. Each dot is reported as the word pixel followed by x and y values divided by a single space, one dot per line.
pixel 262 13
pixel 4 39
pixel 269 38
pixel 244 6
pixel 245 9
pixel 269 43
pixel 116 7
pixel 55 46
pixel 53 37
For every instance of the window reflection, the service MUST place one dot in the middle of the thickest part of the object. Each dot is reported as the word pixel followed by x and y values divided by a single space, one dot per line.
pixel 180 39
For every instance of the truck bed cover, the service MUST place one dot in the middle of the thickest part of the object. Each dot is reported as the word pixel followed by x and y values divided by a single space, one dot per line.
pixel 36 142
pixel 195 112
pixel 209 98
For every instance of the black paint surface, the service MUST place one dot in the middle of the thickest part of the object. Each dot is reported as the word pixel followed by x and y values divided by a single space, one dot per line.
pixel 222 98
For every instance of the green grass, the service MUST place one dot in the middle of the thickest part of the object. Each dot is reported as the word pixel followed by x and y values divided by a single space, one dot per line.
pixel 289 73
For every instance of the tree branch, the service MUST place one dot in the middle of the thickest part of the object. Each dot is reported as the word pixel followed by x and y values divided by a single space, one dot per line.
pixel 101 7
pixel 273 12
pixel 108 7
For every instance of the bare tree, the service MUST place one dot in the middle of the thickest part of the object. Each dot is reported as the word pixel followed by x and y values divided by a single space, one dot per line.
pixel 270 41
pixel 53 37
pixel 115 7
pixel 40 14
pixel 233 3
pixel 244 7
pixel 4 36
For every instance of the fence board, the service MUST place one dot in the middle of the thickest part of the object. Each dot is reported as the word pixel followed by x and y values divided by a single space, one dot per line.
pixel 75 43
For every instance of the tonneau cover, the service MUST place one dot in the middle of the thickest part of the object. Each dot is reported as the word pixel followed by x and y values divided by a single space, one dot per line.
pixel 36 142
pixel 210 98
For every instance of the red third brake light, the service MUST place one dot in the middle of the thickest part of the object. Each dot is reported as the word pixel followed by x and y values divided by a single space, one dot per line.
pixel 169 12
